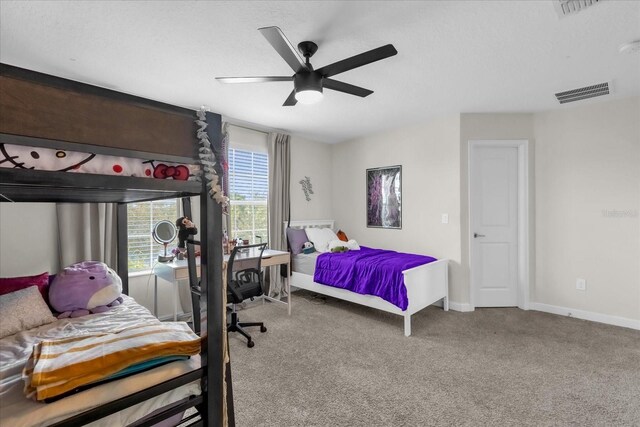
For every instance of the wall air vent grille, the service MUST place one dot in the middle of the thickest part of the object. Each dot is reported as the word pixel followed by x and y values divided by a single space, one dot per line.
pixel 583 93
pixel 571 7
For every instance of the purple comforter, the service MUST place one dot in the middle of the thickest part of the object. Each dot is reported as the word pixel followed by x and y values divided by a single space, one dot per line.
pixel 369 272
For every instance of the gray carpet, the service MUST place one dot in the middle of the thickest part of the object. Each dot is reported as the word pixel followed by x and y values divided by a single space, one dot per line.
pixel 335 363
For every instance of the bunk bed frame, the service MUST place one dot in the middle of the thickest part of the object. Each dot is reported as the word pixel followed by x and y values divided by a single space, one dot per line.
pixel 46 111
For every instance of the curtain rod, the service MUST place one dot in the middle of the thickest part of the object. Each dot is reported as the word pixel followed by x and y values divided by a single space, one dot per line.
pixel 247 128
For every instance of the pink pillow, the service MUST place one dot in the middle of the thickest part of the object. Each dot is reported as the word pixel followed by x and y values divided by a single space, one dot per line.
pixel 12 284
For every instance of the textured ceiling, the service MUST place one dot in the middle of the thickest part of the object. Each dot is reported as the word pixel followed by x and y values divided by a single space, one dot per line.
pixel 467 56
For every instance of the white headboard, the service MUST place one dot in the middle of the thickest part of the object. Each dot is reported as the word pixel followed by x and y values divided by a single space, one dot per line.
pixel 311 223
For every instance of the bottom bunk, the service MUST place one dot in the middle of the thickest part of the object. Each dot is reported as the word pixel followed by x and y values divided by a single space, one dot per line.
pixel 15 350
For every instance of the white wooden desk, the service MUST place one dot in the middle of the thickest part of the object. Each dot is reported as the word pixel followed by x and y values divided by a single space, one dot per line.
pixel 270 257
pixel 177 270
pixel 173 272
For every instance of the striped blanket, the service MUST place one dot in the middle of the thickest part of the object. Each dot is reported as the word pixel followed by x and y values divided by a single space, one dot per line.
pixel 61 365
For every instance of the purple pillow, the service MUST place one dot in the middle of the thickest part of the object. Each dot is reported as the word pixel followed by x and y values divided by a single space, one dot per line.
pixel 83 288
pixel 297 238
pixel 12 284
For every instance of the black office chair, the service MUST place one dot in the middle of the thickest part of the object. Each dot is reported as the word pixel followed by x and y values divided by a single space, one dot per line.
pixel 244 280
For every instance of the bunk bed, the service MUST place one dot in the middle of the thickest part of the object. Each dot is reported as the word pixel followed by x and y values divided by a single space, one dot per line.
pixel 39 110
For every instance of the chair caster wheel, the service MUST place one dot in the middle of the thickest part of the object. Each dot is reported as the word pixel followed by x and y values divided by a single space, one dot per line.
pixel 263 329
pixel 250 344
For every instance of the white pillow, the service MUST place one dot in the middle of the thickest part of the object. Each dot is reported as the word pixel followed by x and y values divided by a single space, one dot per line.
pixel 321 238
pixel 315 236
pixel 330 235
pixel 22 310
pixel 353 245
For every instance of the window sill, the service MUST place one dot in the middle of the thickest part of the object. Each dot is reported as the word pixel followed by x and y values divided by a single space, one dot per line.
pixel 141 273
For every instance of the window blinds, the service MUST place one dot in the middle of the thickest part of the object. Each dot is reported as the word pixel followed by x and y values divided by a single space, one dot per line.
pixel 141 217
pixel 248 192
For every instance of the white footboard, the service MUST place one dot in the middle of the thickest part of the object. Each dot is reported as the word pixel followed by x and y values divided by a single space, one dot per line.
pixel 426 284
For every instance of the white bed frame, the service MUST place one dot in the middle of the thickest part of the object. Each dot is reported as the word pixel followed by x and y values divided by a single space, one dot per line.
pixel 426 284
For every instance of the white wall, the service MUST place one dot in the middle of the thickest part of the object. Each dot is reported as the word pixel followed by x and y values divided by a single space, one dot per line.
pixel 584 167
pixel 29 234
pixel 312 159
pixel 585 176
pixel 587 163
pixel 430 159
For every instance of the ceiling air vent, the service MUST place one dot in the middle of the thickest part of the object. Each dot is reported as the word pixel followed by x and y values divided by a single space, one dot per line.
pixel 571 7
pixel 583 93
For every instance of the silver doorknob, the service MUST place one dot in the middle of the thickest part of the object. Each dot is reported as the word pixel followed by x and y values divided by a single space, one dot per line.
pixel 476 235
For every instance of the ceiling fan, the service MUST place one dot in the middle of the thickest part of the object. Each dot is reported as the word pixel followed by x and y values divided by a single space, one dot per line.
pixel 308 83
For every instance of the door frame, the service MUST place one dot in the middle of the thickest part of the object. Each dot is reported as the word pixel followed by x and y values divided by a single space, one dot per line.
pixel 523 215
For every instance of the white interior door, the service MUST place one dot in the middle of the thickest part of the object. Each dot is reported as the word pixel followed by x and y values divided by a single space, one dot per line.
pixel 494 225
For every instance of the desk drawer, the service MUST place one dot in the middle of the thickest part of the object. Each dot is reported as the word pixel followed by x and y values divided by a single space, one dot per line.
pixel 276 260
pixel 183 273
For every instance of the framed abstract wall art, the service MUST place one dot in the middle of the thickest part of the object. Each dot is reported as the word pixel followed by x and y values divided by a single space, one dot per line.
pixel 384 197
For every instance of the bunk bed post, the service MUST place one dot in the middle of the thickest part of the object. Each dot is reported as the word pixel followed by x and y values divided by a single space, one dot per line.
pixel 123 246
pixel 212 310
pixel 193 274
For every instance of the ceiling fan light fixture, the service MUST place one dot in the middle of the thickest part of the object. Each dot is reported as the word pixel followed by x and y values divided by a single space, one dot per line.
pixel 309 96
pixel 308 83
pixel 308 87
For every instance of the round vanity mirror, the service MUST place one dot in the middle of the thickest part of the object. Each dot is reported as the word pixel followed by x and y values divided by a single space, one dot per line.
pixel 164 232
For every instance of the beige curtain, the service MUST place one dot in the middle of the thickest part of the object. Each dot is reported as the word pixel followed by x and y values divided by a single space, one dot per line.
pixel 279 202
pixel 87 232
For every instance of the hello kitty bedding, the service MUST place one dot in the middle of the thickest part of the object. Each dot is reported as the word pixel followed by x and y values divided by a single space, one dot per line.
pixel 38 158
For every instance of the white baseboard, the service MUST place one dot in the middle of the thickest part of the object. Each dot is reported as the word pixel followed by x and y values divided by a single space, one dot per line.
pixel 456 306
pixel 586 315
pixel 460 306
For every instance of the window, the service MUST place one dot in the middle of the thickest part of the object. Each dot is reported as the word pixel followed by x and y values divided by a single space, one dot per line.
pixel 141 217
pixel 248 191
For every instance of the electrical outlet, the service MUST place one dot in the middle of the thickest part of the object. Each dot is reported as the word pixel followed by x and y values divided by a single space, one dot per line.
pixel 445 218
pixel 581 284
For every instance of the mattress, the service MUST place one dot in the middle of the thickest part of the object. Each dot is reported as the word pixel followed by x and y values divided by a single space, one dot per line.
pixel 17 411
pixel 38 158
pixel 305 263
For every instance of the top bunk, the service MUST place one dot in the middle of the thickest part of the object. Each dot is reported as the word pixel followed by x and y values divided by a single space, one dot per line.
pixel 61 187
pixel 40 113
pixel 35 170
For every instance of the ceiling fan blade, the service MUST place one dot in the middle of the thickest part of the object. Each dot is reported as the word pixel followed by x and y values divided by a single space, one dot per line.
pixel 254 79
pixel 276 38
pixel 346 88
pixel 358 60
pixel 291 100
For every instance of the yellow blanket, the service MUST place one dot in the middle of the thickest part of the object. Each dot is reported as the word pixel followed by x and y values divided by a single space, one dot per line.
pixel 58 366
